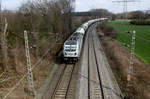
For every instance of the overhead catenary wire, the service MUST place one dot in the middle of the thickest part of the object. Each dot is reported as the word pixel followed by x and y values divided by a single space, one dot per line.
pixel 131 58
pixel 2 74
pixel 125 43
pixel 25 75
pixel 138 37
pixel 33 65
pixel 143 39
pixel 125 6
pixel 144 47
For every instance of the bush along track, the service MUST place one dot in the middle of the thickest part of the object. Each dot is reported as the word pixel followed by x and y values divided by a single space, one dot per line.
pixel 142 48
pixel 119 57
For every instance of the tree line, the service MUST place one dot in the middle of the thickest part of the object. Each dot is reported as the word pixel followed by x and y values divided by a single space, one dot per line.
pixel 96 13
pixel 42 19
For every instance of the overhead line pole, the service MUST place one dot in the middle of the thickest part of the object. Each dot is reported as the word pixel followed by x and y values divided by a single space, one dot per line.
pixel 29 67
pixel 125 6
pixel 72 4
pixel 1 15
pixel 1 10
pixel 131 64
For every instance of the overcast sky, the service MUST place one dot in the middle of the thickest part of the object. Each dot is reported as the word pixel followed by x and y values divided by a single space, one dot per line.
pixel 85 5
pixel 11 4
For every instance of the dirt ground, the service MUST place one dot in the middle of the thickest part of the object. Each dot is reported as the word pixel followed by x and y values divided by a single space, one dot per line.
pixel 119 59
pixel 41 72
pixel 11 78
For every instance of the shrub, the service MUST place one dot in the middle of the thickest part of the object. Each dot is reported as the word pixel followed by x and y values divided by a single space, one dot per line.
pixel 140 22
pixel 108 31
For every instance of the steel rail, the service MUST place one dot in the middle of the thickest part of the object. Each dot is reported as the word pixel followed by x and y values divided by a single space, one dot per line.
pixel 88 69
pixel 99 75
pixel 60 82
pixel 68 87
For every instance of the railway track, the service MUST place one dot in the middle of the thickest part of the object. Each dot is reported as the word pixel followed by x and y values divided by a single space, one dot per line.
pixel 100 85
pixel 99 75
pixel 108 90
pixel 95 77
pixel 62 88
pixel 95 88
pixel 89 96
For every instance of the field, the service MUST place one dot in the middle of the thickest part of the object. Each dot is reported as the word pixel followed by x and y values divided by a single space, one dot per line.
pixel 142 49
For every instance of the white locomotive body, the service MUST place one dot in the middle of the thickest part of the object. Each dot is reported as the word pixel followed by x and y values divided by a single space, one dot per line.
pixel 85 26
pixel 72 47
pixel 80 30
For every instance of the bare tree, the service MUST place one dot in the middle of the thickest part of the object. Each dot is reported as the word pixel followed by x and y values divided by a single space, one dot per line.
pixel 4 46
pixel 39 17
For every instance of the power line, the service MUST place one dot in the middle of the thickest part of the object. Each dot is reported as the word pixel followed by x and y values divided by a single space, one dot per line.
pixel 141 38
pixel 125 6
pixel 126 43
pixel 146 40
pixel 26 74
pixel 2 74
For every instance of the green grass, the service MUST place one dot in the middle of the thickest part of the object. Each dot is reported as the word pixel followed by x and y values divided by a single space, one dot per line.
pixel 142 50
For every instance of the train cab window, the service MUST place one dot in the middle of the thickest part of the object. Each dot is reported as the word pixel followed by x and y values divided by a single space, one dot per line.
pixel 73 50
pixel 71 43
pixel 67 50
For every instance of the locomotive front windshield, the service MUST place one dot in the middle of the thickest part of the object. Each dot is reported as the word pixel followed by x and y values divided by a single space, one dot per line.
pixel 70 46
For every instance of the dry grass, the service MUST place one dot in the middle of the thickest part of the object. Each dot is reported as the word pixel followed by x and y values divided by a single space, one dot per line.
pixel 17 68
pixel 119 59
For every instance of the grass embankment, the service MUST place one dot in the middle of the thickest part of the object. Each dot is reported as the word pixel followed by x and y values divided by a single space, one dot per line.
pixel 142 50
